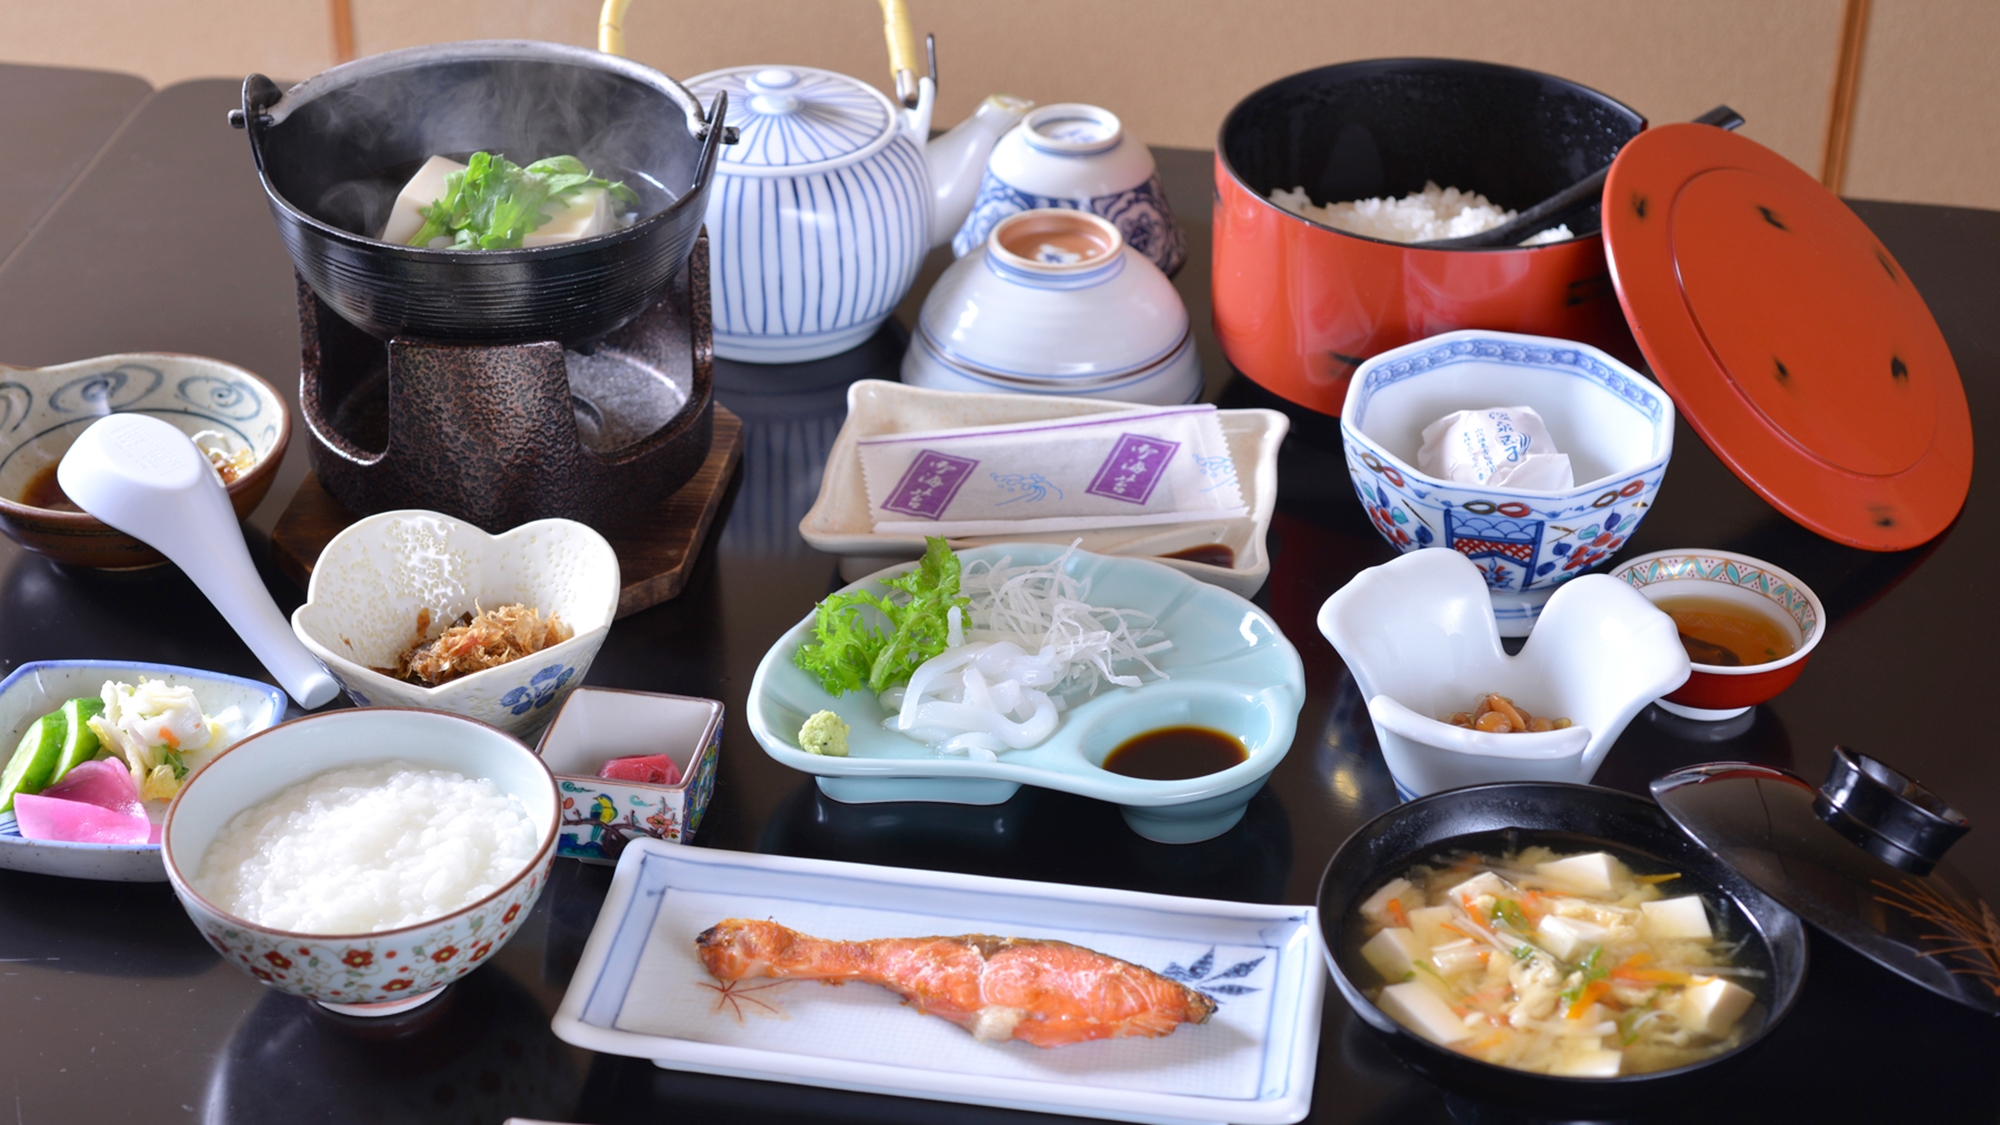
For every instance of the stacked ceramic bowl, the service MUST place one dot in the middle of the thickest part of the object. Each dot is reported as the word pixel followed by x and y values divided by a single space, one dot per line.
pixel 1056 303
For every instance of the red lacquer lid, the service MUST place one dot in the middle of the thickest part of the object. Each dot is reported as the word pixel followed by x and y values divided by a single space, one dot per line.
pixel 1789 337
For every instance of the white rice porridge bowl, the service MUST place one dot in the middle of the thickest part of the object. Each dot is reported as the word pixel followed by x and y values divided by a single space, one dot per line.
pixel 364 858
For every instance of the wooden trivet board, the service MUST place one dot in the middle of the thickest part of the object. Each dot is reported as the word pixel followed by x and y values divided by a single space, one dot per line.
pixel 654 553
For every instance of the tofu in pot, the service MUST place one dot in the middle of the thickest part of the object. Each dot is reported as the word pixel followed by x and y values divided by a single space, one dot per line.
pixel 1682 917
pixel 1711 1006
pixel 406 217
pixel 587 216
pixel 1567 937
pixel 1376 907
pixel 1423 1012
pixel 1394 952
pixel 1428 924
pixel 1592 873
pixel 1485 883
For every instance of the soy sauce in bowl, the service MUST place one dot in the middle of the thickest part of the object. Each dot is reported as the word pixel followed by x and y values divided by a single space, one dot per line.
pixel 1176 754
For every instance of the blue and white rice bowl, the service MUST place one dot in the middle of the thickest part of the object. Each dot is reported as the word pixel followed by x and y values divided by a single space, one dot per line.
pixel 1100 323
pixel 1616 426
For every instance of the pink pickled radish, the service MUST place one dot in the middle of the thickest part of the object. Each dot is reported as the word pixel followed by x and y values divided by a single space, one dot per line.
pixel 74 822
pixel 655 769
pixel 103 782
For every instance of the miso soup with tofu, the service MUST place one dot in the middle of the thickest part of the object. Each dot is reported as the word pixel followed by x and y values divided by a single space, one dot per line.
pixel 1560 961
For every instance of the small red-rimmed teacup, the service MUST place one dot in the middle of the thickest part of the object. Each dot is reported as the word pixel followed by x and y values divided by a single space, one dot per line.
pixel 1718 691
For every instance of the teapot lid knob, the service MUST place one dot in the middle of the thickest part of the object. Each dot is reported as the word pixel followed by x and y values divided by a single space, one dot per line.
pixel 767 91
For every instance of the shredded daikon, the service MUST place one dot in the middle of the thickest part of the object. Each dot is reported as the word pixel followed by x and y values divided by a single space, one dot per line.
pixel 1028 642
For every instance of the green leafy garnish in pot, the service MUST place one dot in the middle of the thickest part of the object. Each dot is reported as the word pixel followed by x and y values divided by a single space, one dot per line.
pixel 495 203
pixel 848 652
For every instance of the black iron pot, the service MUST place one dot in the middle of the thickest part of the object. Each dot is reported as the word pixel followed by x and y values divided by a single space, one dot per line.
pixel 1519 814
pixel 333 151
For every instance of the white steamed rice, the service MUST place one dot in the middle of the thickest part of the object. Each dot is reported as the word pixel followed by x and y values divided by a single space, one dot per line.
pixel 1421 216
pixel 366 849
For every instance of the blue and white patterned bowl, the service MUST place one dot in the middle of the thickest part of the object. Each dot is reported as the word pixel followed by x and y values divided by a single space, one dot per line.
pixel 43 409
pixel 1616 426
pixel 373 578
pixel 1080 157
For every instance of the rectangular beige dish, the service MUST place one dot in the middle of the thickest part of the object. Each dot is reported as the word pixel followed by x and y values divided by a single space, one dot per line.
pixel 839 523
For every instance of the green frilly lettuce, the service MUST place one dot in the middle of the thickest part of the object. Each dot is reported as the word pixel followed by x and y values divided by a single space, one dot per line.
pixel 849 651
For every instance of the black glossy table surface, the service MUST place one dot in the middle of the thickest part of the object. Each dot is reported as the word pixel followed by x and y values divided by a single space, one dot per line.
pixel 113 1009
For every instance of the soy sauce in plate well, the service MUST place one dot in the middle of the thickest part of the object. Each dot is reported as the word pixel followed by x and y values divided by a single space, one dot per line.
pixel 1176 754
pixel 1209 554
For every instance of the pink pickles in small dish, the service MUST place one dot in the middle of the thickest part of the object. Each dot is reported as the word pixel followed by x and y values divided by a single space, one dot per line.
pixel 94 803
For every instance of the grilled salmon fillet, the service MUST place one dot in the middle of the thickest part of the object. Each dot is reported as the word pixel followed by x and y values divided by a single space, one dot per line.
pixel 1048 993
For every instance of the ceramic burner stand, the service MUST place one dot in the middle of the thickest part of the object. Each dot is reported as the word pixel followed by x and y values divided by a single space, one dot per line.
pixel 503 434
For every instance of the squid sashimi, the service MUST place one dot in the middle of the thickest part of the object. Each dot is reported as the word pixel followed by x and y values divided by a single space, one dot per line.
pixel 1045 993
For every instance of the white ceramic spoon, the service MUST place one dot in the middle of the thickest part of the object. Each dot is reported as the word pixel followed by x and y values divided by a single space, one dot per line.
pixel 148 480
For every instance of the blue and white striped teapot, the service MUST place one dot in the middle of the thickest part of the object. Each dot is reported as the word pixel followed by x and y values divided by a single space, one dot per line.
pixel 822 212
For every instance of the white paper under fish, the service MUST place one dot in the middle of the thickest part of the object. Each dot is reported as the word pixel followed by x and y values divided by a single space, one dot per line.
pixel 1144 466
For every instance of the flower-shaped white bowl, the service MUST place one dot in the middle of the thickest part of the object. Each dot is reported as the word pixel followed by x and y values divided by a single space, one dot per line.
pixel 35 689
pixel 1419 636
pixel 1616 426
pixel 361 608
pixel 1055 303
pixel 377 973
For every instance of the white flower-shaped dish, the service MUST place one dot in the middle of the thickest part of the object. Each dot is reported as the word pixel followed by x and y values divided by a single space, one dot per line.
pixel 839 522
pixel 361 608
pixel 1230 669
pixel 1420 638
pixel 34 690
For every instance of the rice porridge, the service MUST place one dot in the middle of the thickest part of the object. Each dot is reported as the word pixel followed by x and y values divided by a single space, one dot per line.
pixel 367 848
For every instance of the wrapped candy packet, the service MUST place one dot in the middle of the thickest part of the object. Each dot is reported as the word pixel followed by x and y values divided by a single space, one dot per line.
pixel 1152 465
pixel 1499 445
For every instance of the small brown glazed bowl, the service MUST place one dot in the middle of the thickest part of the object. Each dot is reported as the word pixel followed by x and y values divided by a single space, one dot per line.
pixel 43 409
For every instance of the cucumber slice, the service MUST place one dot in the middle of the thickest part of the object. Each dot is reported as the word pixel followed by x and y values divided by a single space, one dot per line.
pixel 34 760
pixel 80 743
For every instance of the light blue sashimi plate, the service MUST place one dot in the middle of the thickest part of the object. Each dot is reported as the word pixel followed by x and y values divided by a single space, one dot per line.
pixel 1230 669
pixel 34 690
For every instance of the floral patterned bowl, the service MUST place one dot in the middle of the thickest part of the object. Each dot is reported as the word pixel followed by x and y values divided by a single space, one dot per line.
pixel 1617 427
pixel 372 579
pixel 370 973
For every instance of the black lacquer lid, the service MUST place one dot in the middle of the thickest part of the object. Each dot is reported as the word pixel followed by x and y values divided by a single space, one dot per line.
pixel 1861 857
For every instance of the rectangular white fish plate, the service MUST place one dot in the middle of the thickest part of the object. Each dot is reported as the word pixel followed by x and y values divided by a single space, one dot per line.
pixel 640 990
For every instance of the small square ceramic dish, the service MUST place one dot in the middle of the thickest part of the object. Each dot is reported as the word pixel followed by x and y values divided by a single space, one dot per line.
pixel 1228 553
pixel 1616 426
pixel 1230 669
pixel 601 816
pixel 34 690
pixel 370 582
pixel 1418 634
pixel 640 991
pixel 43 409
